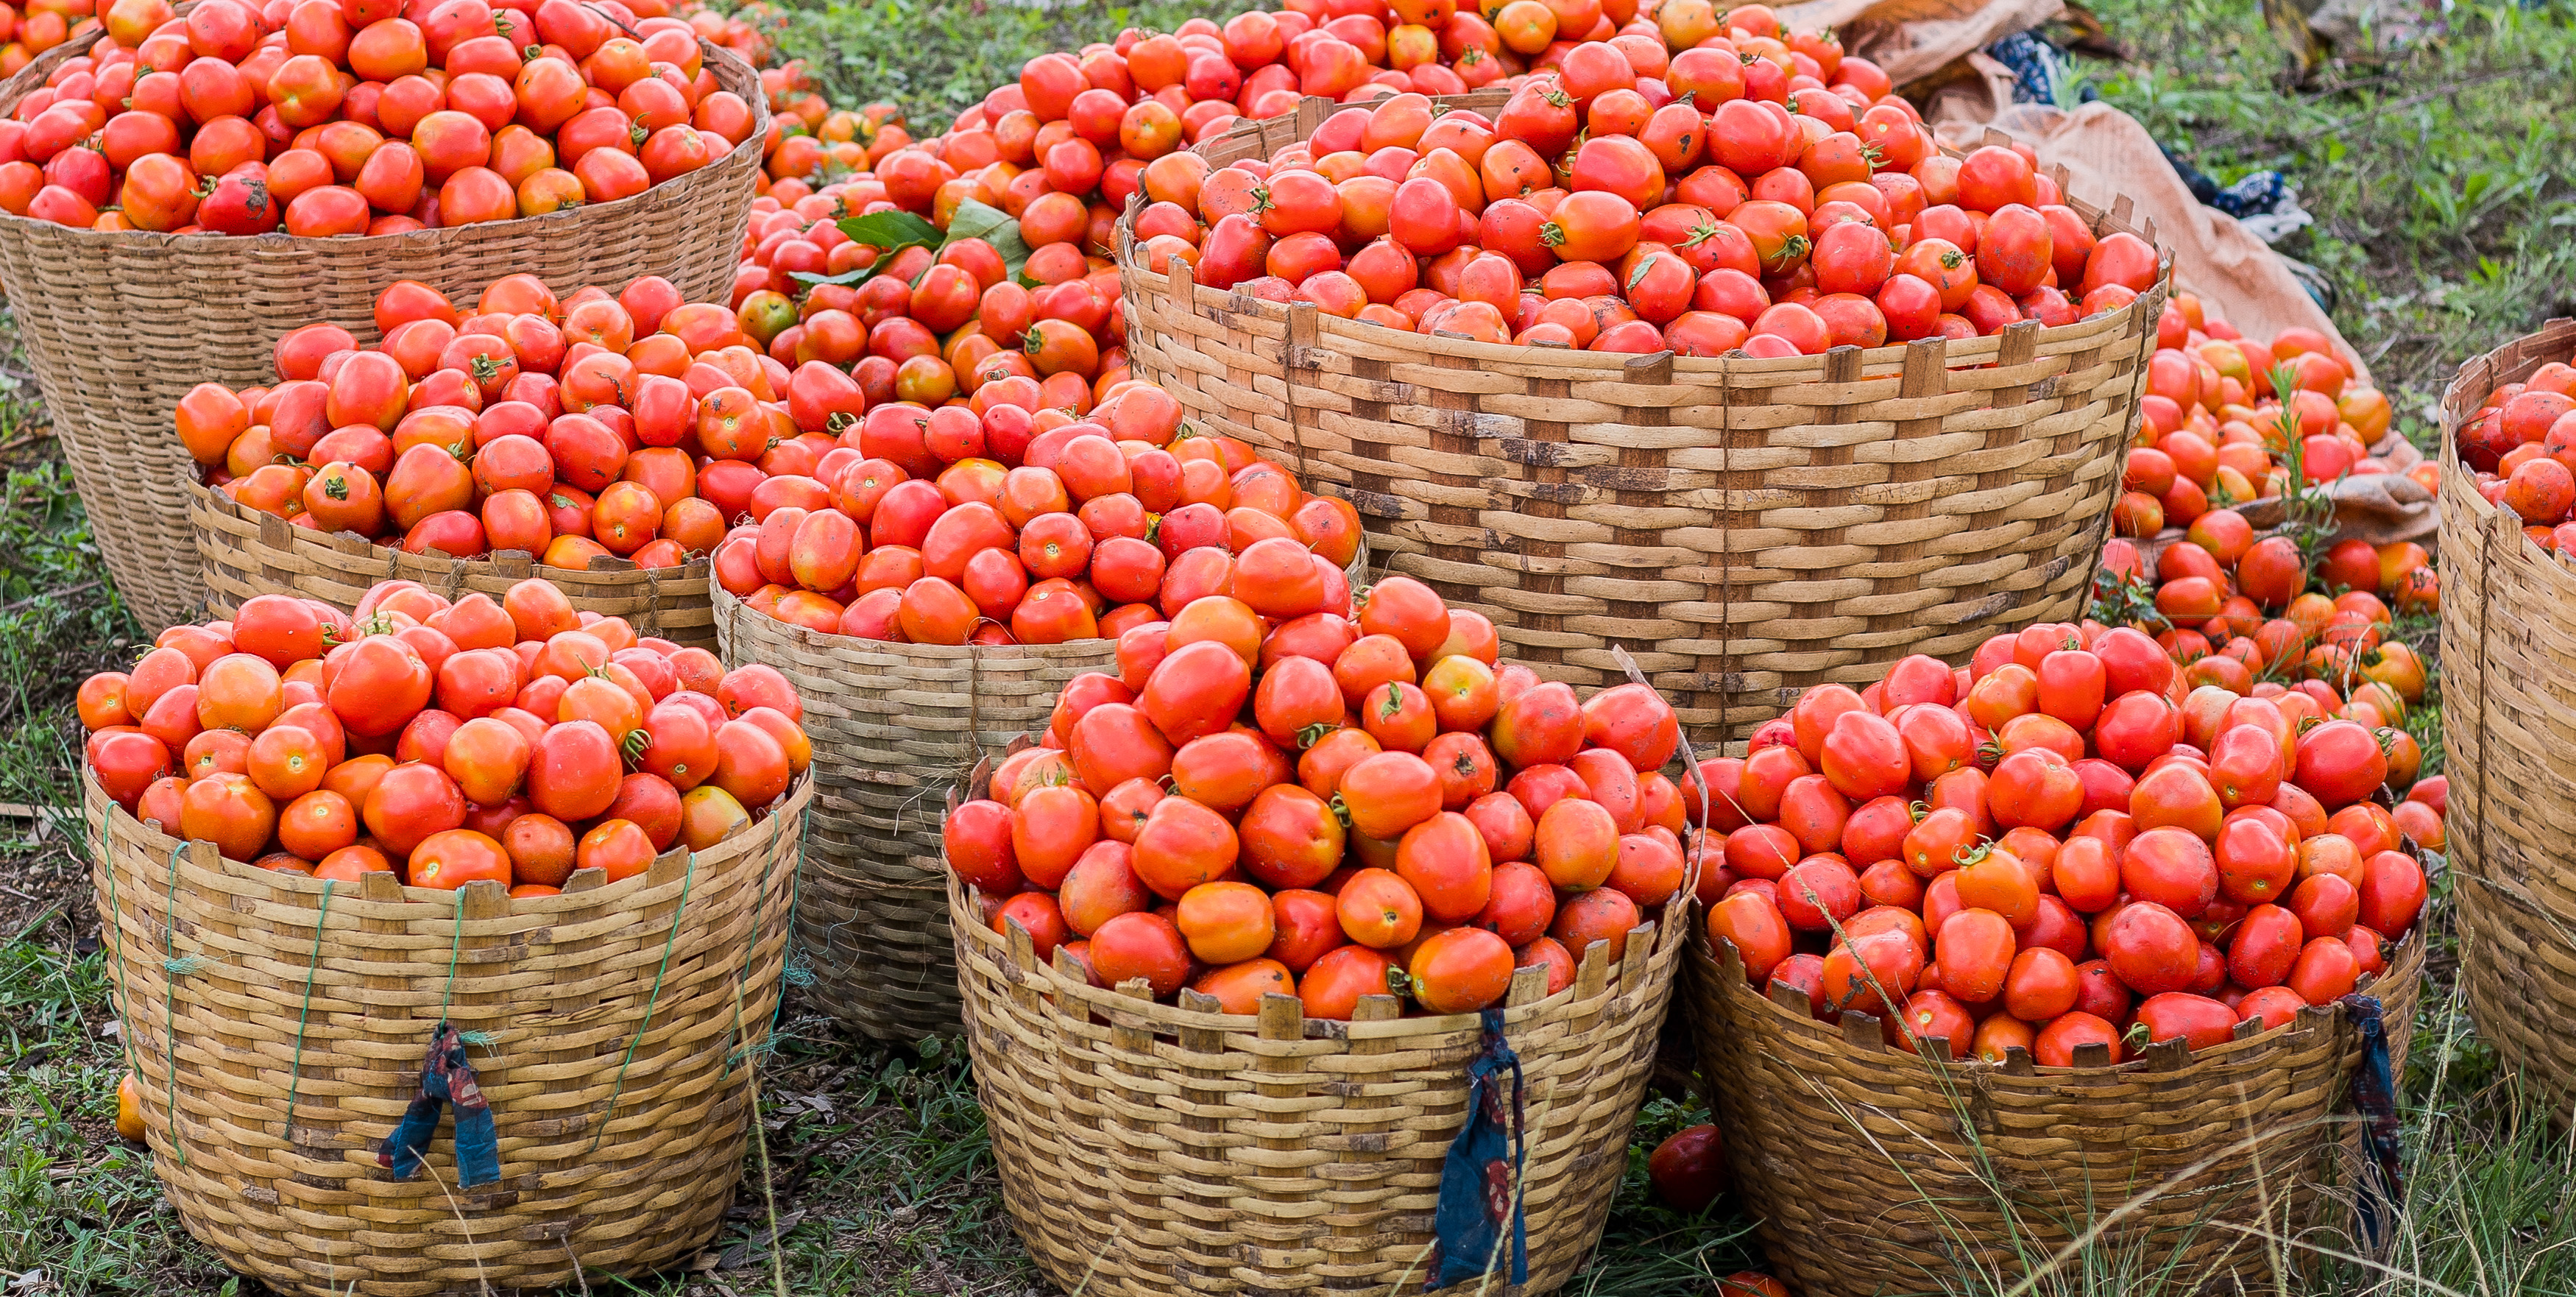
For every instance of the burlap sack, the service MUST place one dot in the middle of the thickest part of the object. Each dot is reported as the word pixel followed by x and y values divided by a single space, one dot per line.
pixel 1912 39
pixel 2106 152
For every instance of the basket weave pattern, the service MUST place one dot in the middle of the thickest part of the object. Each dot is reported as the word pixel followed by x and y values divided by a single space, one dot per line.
pixel 1148 1150
pixel 120 324
pixel 894 727
pixel 245 552
pixel 1747 528
pixel 623 1019
pixel 2509 739
pixel 1839 1143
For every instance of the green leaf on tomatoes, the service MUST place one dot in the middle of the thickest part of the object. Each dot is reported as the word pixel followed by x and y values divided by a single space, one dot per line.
pixel 888 232
pixel 976 220
pixel 892 231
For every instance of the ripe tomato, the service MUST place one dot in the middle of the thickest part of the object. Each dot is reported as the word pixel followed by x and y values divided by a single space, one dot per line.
pixel 409 803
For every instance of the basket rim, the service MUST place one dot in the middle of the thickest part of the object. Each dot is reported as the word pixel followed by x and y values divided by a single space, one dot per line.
pixel 1664 936
pixel 1659 953
pixel 732 612
pixel 201 495
pixel 799 793
pixel 728 606
pixel 1827 1038
pixel 1966 353
pixel 2459 400
pixel 265 246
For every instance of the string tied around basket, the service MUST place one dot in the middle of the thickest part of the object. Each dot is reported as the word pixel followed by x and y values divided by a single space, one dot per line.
pixel 455 950
pixel 173 967
pixel 1480 1227
pixel 751 948
pixel 798 970
pixel 652 998
pixel 304 1012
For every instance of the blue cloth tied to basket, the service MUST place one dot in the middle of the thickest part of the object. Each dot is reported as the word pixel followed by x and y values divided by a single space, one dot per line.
pixel 446 1077
pixel 1480 1185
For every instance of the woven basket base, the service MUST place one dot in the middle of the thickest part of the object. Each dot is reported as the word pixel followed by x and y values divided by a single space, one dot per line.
pixel 617 1028
pixel 2509 740
pixel 895 727
pixel 1148 1150
pixel 132 320
pixel 1841 1145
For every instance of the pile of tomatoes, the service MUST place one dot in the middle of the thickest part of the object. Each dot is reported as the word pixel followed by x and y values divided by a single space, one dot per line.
pixel 1058 152
pixel 2214 432
pixel 742 28
pixel 2521 447
pixel 633 426
pixel 2238 610
pixel 1273 798
pixel 1627 202
pixel 2057 846
pixel 35 26
pixel 332 117
pixel 513 741
pixel 994 523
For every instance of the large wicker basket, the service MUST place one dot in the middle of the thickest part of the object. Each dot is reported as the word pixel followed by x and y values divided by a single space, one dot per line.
pixel 895 727
pixel 245 552
pixel 119 325
pixel 2509 744
pixel 1746 527
pixel 291 1015
pixel 1148 1150
pixel 1869 1170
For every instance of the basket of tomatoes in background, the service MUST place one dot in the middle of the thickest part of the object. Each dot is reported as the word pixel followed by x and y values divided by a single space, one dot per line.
pixel 2150 934
pixel 604 440
pixel 298 157
pixel 2508 448
pixel 1254 891
pixel 426 815
pixel 33 30
pixel 1616 307
pixel 959 566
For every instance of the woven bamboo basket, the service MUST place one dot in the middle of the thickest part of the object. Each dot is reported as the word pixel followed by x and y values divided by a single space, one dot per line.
pixel 1747 527
pixel 1835 1136
pixel 895 727
pixel 119 325
pixel 290 1016
pixel 245 552
pixel 1149 1150
pixel 2509 743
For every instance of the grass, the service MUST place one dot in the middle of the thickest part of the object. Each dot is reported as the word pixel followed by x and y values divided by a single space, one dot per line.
pixel 2444 214
pixel 2444 217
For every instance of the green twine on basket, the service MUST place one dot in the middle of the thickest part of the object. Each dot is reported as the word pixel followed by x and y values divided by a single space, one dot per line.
pixel 797 970
pixel 313 964
pixel 687 879
pixel 174 968
pixel 787 966
pixel 455 950
pixel 113 924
